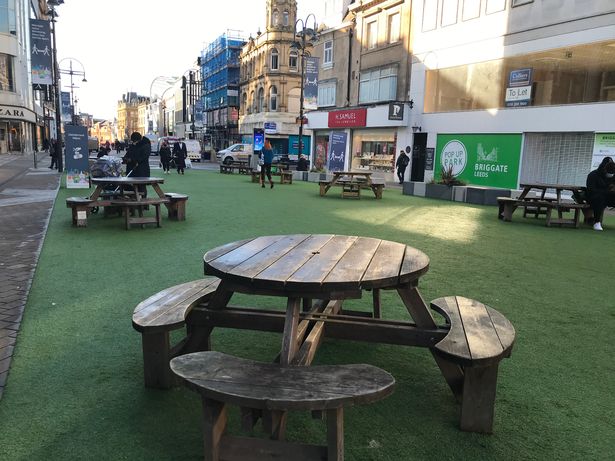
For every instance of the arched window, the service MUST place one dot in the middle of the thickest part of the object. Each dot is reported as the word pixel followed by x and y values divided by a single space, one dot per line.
pixel 273 99
pixel 274 18
pixel 285 18
pixel 261 100
pixel 252 106
pixel 244 102
pixel 292 60
pixel 275 63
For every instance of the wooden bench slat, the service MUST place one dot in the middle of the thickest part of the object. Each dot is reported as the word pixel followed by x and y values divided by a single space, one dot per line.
pixel 481 336
pixel 168 309
pixel 270 386
pixel 455 342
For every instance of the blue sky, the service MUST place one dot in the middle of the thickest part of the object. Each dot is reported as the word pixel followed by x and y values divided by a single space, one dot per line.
pixel 124 44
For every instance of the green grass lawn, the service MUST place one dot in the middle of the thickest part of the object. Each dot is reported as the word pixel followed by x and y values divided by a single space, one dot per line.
pixel 75 390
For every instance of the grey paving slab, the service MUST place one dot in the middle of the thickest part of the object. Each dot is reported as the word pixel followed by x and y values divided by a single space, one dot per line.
pixel 27 196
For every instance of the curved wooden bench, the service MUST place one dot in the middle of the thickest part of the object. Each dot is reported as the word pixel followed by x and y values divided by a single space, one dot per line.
pixel 220 379
pixel 478 339
pixel 80 207
pixel 161 313
pixel 177 205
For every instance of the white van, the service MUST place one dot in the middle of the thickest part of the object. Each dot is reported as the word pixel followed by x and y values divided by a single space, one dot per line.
pixel 194 149
pixel 235 153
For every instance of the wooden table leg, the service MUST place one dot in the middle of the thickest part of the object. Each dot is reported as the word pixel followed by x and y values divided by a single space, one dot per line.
pixel 453 374
pixel 289 343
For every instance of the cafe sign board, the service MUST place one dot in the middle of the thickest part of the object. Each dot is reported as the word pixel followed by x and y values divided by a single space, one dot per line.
pixel 347 118
pixel 482 159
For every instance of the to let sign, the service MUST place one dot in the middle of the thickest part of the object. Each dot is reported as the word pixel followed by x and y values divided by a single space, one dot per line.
pixel 347 118
pixel 519 96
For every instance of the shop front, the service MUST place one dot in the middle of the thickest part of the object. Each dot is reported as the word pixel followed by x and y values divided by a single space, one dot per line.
pixel 372 138
pixel 16 132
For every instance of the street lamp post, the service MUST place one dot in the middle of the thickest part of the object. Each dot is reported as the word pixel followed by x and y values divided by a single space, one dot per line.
pixel 70 71
pixel 56 83
pixel 307 36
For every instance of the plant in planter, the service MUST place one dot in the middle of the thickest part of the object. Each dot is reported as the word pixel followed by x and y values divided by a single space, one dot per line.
pixel 449 179
pixel 443 188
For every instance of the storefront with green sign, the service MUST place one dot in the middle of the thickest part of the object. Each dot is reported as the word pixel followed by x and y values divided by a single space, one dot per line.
pixel 480 159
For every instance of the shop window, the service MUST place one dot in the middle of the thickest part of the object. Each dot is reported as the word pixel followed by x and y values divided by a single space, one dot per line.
pixel 377 152
pixel 393 29
pixel 378 85
pixel 326 93
pixel 273 99
pixel 7 17
pixel 449 12
pixel 7 73
pixel 275 64
pixel 573 75
pixel 371 35
pixel 328 54
pixel 493 6
pixel 471 9
pixel 430 14
pixel 292 60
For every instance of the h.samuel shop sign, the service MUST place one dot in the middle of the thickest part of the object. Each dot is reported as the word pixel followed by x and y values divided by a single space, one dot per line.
pixel 347 118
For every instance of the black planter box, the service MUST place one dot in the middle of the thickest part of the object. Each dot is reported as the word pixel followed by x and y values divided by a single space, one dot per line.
pixel 439 191
pixel 485 195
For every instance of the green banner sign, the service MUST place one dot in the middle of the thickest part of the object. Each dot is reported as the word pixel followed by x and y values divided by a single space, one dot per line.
pixel 481 159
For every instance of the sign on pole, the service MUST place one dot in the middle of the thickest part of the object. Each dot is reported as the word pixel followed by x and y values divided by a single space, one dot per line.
pixel 65 102
pixel 310 86
pixel 41 52
pixel 76 157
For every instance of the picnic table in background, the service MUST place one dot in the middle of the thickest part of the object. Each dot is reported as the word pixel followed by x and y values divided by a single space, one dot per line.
pixel 534 201
pixel 352 182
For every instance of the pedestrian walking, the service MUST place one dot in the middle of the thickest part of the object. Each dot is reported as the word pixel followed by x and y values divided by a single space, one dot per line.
pixel 600 189
pixel 180 153
pixel 54 152
pixel 165 156
pixel 401 164
pixel 267 159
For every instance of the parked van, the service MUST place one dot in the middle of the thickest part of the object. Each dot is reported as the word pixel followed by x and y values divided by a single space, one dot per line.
pixel 194 149
pixel 235 153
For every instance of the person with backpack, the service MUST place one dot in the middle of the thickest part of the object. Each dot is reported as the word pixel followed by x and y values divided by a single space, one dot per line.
pixel 401 164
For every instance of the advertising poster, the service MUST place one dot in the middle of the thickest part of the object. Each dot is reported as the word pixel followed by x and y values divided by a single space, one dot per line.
pixel 40 52
pixel 76 157
pixel 481 159
pixel 259 139
pixel 604 146
pixel 65 102
pixel 322 145
pixel 293 146
pixel 310 86
pixel 337 151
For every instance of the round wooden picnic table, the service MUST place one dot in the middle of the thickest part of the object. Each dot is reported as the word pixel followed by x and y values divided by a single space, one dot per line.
pixel 315 265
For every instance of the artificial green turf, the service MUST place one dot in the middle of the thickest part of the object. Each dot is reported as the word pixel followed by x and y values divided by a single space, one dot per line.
pixel 75 390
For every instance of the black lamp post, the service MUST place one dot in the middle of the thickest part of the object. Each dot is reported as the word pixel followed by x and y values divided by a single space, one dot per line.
pixel 56 83
pixel 307 37
pixel 70 71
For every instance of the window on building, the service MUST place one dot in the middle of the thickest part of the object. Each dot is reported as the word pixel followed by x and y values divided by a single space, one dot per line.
pixel 7 17
pixel 520 2
pixel 244 102
pixel 326 93
pixel 252 106
pixel 273 99
pixel 430 14
pixel 372 35
pixel 260 107
pixel 328 54
pixel 7 73
pixel 292 60
pixel 275 64
pixel 449 12
pixel 573 75
pixel 275 18
pixel 378 85
pixel 471 9
pixel 394 27
pixel 493 6
pixel 285 18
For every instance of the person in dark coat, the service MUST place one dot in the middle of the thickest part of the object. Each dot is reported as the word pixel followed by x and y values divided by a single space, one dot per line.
pixel 165 156
pixel 267 156
pixel 600 192
pixel 137 158
pixel 302 163
pixel 401 164
pixel 54 153
pixel 180 153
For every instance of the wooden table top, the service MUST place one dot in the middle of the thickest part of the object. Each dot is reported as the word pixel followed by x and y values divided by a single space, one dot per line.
pixel 127 180
pixel 315 263
pixel 551 186
pixel 352 173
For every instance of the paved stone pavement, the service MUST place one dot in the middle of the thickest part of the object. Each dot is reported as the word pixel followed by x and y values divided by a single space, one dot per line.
pixel 27 195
